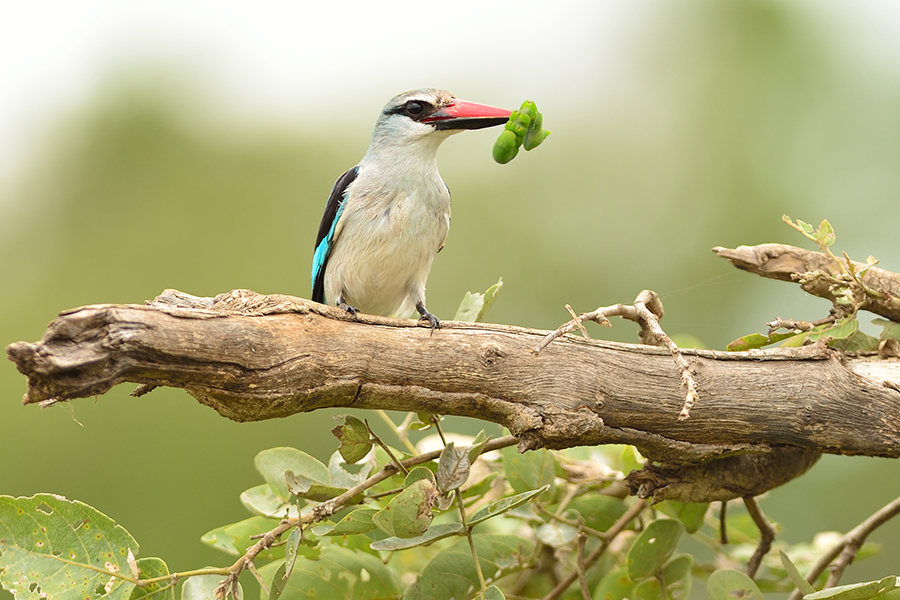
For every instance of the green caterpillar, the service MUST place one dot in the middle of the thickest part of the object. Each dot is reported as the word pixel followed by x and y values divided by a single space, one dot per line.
pixel 524 128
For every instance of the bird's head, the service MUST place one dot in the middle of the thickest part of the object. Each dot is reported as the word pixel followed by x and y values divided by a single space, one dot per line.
pixel 431 114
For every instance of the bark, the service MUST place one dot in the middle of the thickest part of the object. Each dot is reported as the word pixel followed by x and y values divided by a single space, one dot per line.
pixel 786 263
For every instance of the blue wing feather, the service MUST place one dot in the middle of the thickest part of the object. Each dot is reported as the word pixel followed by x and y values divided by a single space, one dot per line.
pixel 325 237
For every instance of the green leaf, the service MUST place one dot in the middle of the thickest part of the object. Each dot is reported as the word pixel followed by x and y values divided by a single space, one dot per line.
pixel 451 573
pixel 501 505
pixel 234 539
pixel 201 587
pixel 652 548
pixel 856 342
pixel 598 511
pixel 802 584
pixel 338 574
pixel 856 591
pixel 648 589
pixel 677 575
pixel 418 473
pixel 843 328
pixel 318 491
pixel 408 514
pixel 280 579
pixel 343 477
pixel 474 306
pixel 890 329
pixel 615 585
pixel 354 437
pixel 455 463
pixel 151 568
pixel 691 515
pixel 631 459
pixel 434 533
pixel 758 340
pixel 51 548
pixel 556 535
pixel 492 593
pixel 825 233
pixel 528 471
pixel 263 501
pixel 357 521
pixel 730 584
pixel 272 464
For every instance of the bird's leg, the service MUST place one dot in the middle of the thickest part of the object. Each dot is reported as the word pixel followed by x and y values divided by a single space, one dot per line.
pixel 350 309
pixel 427 316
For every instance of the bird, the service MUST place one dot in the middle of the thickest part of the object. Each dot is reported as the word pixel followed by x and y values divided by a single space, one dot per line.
pixel 387 217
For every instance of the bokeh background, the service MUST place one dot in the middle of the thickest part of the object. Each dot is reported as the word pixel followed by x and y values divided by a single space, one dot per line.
pixel 192 145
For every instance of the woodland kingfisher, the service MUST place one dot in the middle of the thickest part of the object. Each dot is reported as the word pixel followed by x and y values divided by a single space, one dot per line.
pixel 388 216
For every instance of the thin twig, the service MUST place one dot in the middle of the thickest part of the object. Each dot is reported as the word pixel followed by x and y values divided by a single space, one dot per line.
pixel 766 534
pixel 723 525
pixel 462 517
pixel 582 569
pixel 600 535
pixel 377 440
pixel 597 552
pixel 647 310
pixel 401 431
pixel 845 550
pixel 650 311
pixel 252 568
pixel 794 325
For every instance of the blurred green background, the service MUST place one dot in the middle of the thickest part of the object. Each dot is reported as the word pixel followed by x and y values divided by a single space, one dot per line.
pixel 677 126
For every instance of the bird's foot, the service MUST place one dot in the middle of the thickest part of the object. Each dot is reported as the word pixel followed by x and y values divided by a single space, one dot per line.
pixel 350 309
pixel 433 321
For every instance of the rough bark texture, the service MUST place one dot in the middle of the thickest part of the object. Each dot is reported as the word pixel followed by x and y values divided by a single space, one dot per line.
pixel 253 357
pixel 783 262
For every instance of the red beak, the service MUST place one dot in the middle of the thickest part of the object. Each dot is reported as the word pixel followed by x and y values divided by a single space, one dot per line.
pixel 461 114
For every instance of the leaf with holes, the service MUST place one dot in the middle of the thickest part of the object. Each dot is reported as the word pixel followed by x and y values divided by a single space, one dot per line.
pixel 57 549
pixel 151 568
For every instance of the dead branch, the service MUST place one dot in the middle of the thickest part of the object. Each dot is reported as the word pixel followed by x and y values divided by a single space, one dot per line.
pixel 787 263
pixel 253 357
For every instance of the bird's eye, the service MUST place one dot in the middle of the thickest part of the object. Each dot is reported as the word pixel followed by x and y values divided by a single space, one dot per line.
pixel 414 108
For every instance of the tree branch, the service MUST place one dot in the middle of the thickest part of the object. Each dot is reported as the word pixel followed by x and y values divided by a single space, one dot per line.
pixel 786 263
pixel 253 357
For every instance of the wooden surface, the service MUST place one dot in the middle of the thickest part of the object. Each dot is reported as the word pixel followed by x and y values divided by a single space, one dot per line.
pixel 253 357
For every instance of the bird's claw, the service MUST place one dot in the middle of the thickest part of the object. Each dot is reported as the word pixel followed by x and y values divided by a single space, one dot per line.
pixel 350 309
pixel 432 320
